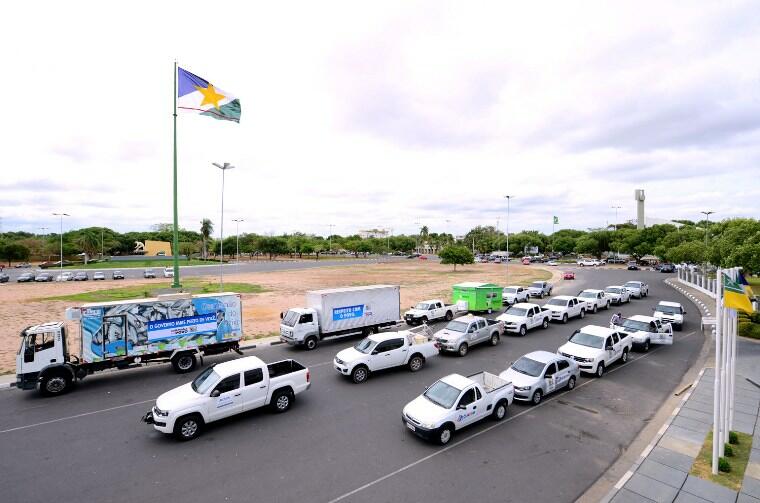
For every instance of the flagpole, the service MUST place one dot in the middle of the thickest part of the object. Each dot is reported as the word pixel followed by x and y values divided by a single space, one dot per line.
pixel 716 380
pixel 175 247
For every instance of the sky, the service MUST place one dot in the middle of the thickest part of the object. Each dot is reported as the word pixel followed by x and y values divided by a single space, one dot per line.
pixel 381 114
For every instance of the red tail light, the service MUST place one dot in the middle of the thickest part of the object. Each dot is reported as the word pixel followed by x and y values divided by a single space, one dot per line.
pixel 308 376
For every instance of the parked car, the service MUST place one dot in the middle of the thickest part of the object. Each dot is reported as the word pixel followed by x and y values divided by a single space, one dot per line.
pixel 25 278
pixel 23 265
pixel 168 272
pixel 514 294
pixel 540 289
pixel 637 289
pixel 430 310
pixel 668 268
pixel 455 401
pixel 568 275
pixel 670 312
pixel 595 348
pixel 98 275
pixel 524 316
pixel 564 307
pixel 384 351
pixel 633 266
pixel 4 278
pixel 594 299
pixel 81 276
pixel 226 389
pixel 423 257
pixel 65 276
pixel 466 331
pixel 646 330
pixel 117 275
pixel 525 261
pixel 589 262
pixel 149 273
pixel 540 373
pixel 617 294
pixel 43 277
pixel 552 263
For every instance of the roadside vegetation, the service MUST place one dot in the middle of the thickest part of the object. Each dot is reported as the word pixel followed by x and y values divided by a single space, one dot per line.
pixel 152 290
pixel 732 467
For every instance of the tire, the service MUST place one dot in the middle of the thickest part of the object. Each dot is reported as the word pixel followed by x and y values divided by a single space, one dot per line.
pixel 359 374
pixel 281 401
pixel 607 306
pixel 564 317
pixel 541 295
pixel 494 339
pixel 571 383
pixel 55 383
pixel 523 331
pixel 449 315
pixel 310 343
pixel 423 320
pixel 500 411
pixel 583 313
pixel 184 363
pixel 545 324
pixel 600 369
pixel 188 427
pixel 645 346
pixel 445 434
pixel 595 309
pixel 416 363
pixel 678 328
pixel 462 350
pixel 624 357
pixel 537 396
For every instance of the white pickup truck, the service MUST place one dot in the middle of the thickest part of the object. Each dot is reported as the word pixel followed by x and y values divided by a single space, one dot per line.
pixel 564 307
pixel 596 348
pixel 454 402
pixel 670 312
pixel 646 330
pixel 514 294
pixel 540 289
pixel 618 294
pixel 637 289
pixel 467 331
pixel 227 389
pixel 522 317
pixel 383 351
pixel 594 299
pixel 431 310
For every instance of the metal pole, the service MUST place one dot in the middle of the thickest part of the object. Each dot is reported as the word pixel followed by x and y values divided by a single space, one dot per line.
pixel 508 199
pixel 716 381
pixel 60 235
pixel 224 167
pixel 175 240
pixel 237 242
pixel 616 228
pixel 330 236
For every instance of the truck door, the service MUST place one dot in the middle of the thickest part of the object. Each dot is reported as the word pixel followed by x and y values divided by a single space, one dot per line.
pixel 390 353
pixel 40 350
pixel 255 389
pixel 535 318
pixel 550 378
pixel 467 408
pixel 228 399
pixel 307 325
pixel 563 373
pixel 114 336
pixel 482 333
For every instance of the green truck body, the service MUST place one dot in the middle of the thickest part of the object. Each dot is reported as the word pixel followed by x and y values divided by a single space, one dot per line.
pixel 479 296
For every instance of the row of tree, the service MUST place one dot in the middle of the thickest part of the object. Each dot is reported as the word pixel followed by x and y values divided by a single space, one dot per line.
pixel 727 243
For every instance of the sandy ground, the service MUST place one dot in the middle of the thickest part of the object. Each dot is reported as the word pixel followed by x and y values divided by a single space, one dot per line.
pixel 21 304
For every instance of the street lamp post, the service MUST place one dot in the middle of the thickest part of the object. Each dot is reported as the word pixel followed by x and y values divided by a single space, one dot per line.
pixel 224 167
pixel 237 240
pixel 707 230
pixel 616 208
pixel 508 198
pixel 61 236
pixel 330 236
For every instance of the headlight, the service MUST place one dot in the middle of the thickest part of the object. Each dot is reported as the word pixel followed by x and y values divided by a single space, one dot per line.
pixel 587 360
pixel 159 412
pixel 339 361
pixel 522 388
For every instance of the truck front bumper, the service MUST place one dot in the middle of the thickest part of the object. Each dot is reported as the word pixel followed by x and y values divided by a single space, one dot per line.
pixel 159 423
pixel 27 381
pixel 342 368
pixel 290 340
pixel 424 433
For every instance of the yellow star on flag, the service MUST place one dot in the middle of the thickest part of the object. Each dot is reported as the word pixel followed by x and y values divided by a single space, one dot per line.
pixel 210 96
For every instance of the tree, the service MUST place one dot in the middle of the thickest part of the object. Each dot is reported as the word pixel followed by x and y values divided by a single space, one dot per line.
pixel 14 251
pixel 88 242
pixel 187 249
pixel 273 246
pixel 455 254
pixel 207 227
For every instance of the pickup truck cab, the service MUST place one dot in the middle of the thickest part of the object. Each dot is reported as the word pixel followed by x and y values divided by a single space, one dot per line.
pixel 588 262
pixel 617 294
pixel 646 330
pixel 467 331
pixel 670 312
pixel 564 307
pixel 430 310
pixel 539 373
pixel 594 299
pixel 525 316
pixel 637 289
pixel 514 294
pixel 454 402
pixel 595 348
pixel 383 351
pixel 227 389
pixel 540 289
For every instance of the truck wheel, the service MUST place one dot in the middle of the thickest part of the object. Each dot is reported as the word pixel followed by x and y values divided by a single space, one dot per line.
pixel 188 427
pixel 571 383
pixel 359 374
pixel 184 363
pixel 416 363
pixel 523 331
pixel 583 313
pixel 607 306
pixel 645 346
pixel 595 308
pixel 537 395
pixel 445 434
pixel 600 369
pixel 423 320
pixel 494 339
pixel 449 315
pixel 281 401
pixel 624 357
pixel 564 317
pixel 541 295
pixel 500 411
pixel 462 351
pixel 310 343
pixel 545 324
pixel 55 383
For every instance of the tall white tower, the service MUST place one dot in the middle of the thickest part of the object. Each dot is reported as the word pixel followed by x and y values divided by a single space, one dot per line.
pixel 639 197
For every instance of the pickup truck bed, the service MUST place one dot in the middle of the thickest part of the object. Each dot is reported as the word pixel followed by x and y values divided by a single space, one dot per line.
pixel 489 382
pixel 283 367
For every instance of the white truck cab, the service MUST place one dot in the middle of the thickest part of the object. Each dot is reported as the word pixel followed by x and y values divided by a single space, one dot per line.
pixel 670 312
pixel 43 349
pixel 618 294
pixel 564 307
pixel 514 294
pixel 595 348
pixel 646 330
pixel 431 310
pixel 524 316
pixel 637 289
pixel 467 331
pixel 594 299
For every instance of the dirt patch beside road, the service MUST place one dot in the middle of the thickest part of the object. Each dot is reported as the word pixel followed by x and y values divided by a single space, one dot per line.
pixel 20 304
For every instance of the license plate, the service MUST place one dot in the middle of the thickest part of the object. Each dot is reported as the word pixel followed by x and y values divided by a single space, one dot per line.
pixel 411 426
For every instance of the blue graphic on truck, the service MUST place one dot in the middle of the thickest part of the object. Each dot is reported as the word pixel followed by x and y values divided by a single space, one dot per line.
pixel 348 312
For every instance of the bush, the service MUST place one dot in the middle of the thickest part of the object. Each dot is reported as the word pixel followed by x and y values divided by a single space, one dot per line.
pixel 733 438
pixel 749 329
pixel 723 465
pixel 728 451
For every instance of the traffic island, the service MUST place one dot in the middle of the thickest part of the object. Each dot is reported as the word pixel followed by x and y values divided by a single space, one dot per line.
pixel 731 466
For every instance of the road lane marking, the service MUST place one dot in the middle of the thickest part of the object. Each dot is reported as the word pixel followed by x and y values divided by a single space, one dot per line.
pixel 501 423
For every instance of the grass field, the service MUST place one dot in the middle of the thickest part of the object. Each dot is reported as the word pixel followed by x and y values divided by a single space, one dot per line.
pixel 145 291
pixel 702 466
pixel 126 264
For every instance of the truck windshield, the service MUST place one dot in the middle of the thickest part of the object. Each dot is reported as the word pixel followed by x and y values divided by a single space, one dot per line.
pixel 636 325
pixel 516 311
pixel 557 302
pixel 510 290
pixel 205 381
pixel 668 309
pixel 588 340
pixel 290 319
pixel 588 295
pixel 457 326
pixel 422 306
pixel 365 345
pixel 442 394
pixel 528 367
pixel 537 284
pixel 612 290
pixel 632 284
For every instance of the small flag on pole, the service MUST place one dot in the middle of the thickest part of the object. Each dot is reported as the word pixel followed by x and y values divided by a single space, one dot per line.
pixel 734 296
pixel 556 220
pixel 197 95
pixel 743 281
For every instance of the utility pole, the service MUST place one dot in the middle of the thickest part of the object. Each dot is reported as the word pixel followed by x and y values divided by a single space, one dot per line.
pixel 417 236
pixel 508 198
pixel 707 230
pixel 224 167
pixel 61 236
pixel 237 242
pixel 616 208
pixel 331 235
pixel 448 231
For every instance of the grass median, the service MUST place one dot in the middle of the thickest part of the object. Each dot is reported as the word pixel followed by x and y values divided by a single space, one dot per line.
pixel 702 466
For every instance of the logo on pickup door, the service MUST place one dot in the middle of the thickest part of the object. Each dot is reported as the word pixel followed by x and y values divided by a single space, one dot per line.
pixel 462 417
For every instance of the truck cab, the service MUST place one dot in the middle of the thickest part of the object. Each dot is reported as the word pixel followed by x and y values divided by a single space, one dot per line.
pixel 41 358
pixel 298 325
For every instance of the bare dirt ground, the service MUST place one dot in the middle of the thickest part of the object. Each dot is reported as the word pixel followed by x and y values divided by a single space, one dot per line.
pixel 21 305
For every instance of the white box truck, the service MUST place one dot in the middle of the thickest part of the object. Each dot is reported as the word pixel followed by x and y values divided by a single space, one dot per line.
pixel 341 311
pixel 174 328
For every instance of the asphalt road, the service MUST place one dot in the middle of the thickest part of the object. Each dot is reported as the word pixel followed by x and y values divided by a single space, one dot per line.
pixel 341 441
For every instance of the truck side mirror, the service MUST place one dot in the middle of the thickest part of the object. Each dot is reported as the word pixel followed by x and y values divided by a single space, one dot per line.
pixel 609 348
pixel 282 315
pixel 461 407
pixel 215 393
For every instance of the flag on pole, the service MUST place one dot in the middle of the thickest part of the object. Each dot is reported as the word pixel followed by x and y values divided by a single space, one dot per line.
pixel 197 95
pixel 743 281
pixel 556 220
pixel 734 296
